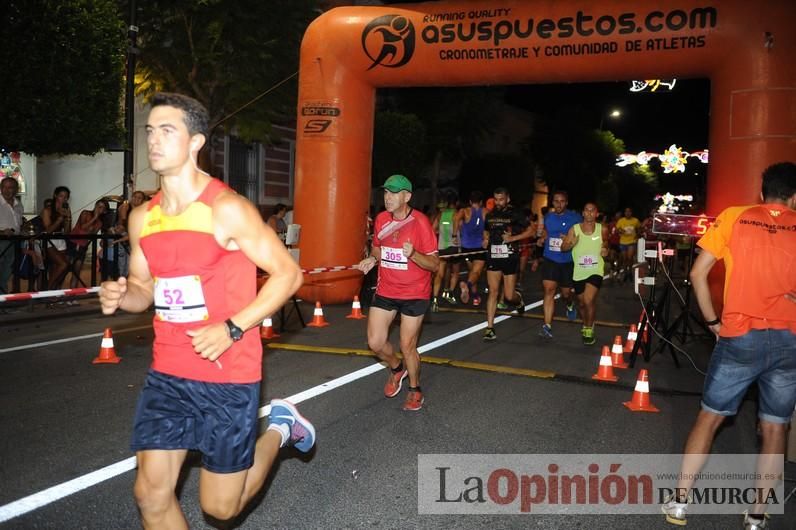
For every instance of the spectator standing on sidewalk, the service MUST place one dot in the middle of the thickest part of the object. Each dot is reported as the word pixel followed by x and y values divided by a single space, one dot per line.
pixel 10 224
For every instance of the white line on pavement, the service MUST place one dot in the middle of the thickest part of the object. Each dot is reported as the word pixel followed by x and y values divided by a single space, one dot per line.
pixel 70 339
pixel 59 491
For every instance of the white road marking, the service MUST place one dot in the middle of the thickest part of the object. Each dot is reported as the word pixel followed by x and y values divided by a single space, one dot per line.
pixel 70 339
pixel 59 491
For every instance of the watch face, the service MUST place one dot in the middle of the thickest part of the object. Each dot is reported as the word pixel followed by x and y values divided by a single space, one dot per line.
pixel 235 332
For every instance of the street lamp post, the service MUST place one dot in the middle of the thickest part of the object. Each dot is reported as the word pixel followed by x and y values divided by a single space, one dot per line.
pixel 129 103
pixel 615 114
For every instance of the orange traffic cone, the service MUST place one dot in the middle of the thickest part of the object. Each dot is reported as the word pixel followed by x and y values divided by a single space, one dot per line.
pixel 317 317
pixel 632 335
pixel 641 395
pixel 617 355
pixel 267 330
pixel 107 353
pixel 356 310
pixel 606 370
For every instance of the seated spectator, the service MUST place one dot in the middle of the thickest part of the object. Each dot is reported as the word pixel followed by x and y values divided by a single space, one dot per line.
pixel 88 222
pixel 57 219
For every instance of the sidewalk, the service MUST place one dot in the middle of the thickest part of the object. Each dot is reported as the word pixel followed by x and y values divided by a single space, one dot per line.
pixel 19 312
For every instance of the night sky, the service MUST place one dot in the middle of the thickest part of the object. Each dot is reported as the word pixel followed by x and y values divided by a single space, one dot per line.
pixel 650 121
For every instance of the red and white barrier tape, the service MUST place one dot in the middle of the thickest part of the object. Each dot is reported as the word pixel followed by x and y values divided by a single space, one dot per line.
pixel 338 268
pixel 318 270
pixel 16 297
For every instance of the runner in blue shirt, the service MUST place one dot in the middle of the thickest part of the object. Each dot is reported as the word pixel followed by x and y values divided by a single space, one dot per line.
pixel 557 264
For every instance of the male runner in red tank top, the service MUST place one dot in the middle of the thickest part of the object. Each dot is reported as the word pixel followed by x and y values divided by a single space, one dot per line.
pixel 195 248
pixel 405 249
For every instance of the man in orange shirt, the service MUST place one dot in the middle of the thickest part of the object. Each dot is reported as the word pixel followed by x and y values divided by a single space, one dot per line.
pixel 756 331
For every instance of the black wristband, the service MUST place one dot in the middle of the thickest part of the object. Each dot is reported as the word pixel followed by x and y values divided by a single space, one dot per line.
pixel 713 322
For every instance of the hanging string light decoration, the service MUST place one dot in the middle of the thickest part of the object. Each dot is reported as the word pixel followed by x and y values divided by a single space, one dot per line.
pixel 668 204
pixel 652 85
pixel 673 159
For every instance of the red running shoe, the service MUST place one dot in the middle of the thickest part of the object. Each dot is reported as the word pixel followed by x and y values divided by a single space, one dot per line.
pixel 394 382
pixel 414 400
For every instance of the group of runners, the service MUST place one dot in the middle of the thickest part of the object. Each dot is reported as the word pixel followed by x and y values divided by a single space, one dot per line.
pixel 196 238
pixel 410 250
pixel 572 248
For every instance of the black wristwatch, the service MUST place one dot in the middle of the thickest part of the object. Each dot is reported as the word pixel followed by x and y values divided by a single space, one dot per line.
pixel 235 333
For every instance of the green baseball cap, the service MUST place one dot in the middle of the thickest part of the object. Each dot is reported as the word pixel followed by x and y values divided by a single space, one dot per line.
pixel 397 183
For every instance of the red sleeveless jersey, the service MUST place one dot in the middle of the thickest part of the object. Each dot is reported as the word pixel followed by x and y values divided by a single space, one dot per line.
pixel 197 282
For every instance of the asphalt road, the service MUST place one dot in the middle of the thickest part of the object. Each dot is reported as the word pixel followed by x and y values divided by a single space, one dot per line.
pixel 62 418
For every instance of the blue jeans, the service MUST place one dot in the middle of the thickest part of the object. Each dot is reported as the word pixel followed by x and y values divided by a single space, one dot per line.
pixel 765 356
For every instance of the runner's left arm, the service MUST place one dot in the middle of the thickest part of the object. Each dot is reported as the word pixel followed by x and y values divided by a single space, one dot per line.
pixel 570 240
pixel 429 262
pixel 528 232
pixel 519 220
pixel 240 223
pixel 423 251
pixel 238 226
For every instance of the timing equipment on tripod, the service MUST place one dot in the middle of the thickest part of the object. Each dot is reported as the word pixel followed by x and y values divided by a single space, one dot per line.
pixel 657 307
pixel 681 225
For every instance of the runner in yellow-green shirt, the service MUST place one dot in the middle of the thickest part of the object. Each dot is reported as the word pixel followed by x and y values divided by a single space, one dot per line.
pixel 588 242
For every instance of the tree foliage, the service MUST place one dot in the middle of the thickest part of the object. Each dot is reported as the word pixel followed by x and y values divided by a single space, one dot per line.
pixel 225 53
pixel 64 62
pixel 454 121
pixel 398 146
pixel 488 171
pixel 573 157
pixel 456 118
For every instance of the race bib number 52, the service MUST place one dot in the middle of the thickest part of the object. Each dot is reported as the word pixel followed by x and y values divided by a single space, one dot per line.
pixel 180 299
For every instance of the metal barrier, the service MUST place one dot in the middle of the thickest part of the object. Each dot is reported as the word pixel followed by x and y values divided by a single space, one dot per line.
pixel 40 278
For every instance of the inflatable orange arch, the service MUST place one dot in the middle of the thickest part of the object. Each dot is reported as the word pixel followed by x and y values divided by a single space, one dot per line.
pixel 745 48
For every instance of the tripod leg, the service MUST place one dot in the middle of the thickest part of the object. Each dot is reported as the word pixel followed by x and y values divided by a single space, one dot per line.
pixel 639 340
pixel 284 315
pixel 298 312
pixel 669 335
